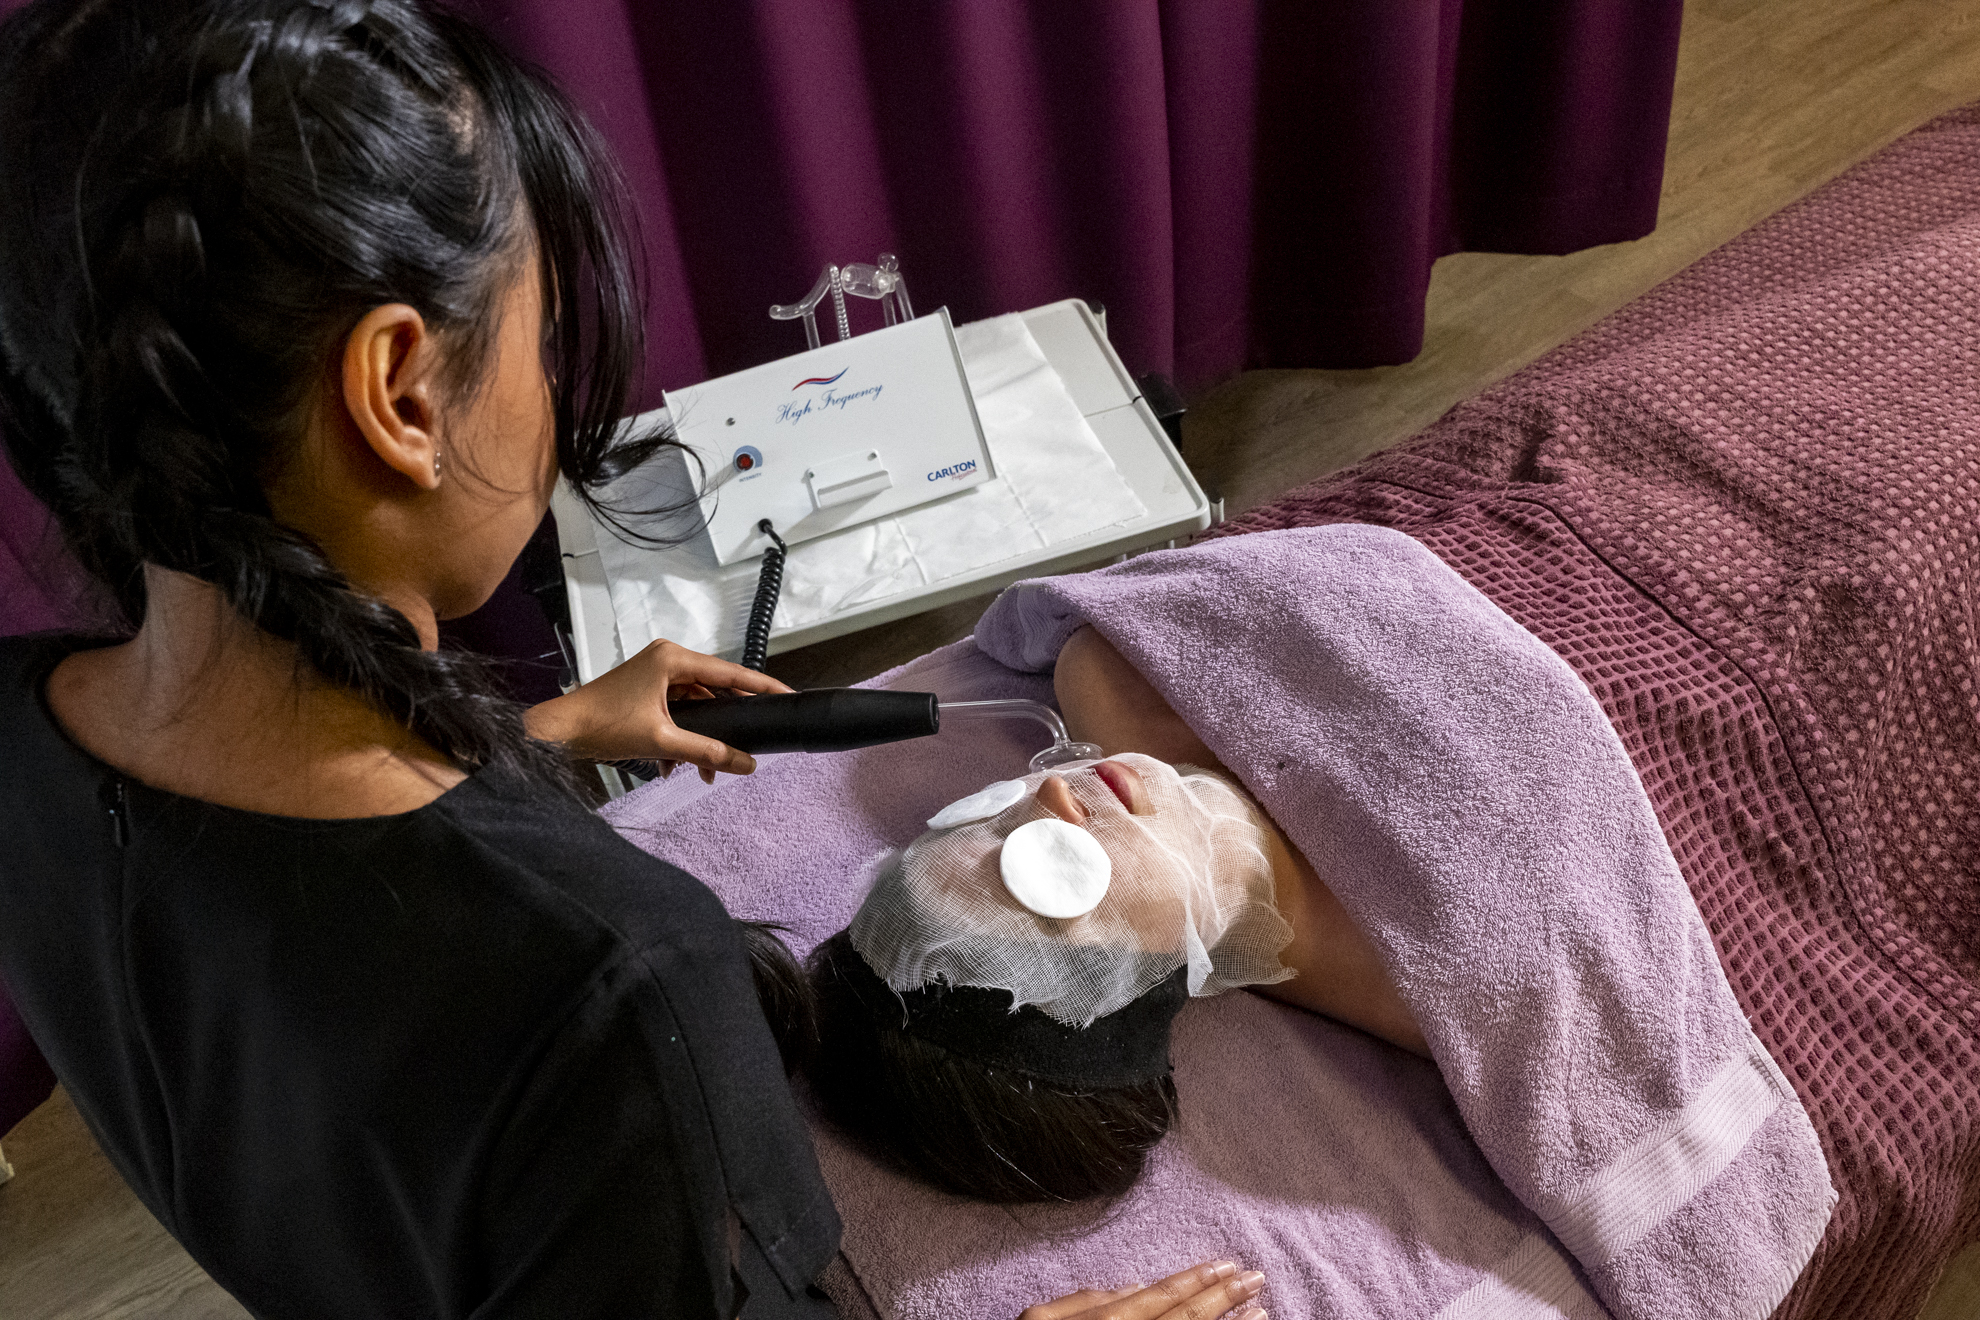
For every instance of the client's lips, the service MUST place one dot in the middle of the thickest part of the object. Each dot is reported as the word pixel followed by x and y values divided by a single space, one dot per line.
pixel 1122 781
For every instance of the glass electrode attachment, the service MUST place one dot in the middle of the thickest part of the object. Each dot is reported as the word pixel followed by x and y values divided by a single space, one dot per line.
pixel 1063 750
pixel 880 281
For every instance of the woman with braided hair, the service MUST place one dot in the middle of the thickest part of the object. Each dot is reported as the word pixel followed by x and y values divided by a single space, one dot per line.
pixel 304 305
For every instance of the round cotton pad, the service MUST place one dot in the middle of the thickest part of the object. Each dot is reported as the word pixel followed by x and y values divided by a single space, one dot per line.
pixel 1055 869
pixel 981 805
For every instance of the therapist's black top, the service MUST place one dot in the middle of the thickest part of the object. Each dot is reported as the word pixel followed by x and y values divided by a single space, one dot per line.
pixel 481 1059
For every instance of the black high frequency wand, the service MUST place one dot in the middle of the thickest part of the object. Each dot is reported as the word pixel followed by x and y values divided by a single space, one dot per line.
pixel 842 719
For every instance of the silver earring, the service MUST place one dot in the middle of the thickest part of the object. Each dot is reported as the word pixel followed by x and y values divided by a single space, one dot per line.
pixel 436 462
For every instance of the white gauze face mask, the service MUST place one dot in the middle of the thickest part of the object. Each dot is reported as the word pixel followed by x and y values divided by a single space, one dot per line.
pixel 1189 884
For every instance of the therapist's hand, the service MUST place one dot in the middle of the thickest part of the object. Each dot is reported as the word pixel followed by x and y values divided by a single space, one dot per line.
pixel 1203 1293
pixel 622 714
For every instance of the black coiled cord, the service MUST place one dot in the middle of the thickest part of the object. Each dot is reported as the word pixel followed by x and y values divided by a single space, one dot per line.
pixel 769 582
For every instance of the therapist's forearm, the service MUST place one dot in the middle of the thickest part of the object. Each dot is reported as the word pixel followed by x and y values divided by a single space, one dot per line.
pixel 551 721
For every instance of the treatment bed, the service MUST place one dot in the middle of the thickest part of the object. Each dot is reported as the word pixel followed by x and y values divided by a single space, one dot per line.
pixel 1745 511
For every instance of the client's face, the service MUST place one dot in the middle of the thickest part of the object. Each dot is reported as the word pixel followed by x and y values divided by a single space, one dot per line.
pixel 1131 824
pixel 1079 889
pixel 1122 780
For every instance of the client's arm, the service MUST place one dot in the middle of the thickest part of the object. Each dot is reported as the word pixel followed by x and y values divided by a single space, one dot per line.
pixel 1106 701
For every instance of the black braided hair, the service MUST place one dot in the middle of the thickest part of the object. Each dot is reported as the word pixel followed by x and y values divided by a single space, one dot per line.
pixel 199 199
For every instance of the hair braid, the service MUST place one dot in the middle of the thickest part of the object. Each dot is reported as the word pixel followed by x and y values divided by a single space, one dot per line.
pixel 257 175
pixel 201 506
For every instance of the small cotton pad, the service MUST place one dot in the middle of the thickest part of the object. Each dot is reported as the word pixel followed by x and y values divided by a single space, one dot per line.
pixel 980 805
pixel 1055 869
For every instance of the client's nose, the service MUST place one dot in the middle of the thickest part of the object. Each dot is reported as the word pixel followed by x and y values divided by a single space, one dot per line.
pixel 1055 797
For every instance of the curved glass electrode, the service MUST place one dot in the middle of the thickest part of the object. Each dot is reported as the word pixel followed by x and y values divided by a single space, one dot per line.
pixel 1063 750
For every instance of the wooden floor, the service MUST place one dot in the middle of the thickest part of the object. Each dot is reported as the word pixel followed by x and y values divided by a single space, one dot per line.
pixel 75 1243
pixel 1773 98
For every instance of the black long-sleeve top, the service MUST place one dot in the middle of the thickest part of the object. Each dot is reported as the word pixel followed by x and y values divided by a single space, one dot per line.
pixel 480 1059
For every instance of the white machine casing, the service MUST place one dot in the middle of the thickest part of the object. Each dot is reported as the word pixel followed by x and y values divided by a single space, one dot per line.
pixel 842 434
pixel 1074 341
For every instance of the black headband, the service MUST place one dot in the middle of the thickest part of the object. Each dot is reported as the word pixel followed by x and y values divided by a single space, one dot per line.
pixel 1125 1047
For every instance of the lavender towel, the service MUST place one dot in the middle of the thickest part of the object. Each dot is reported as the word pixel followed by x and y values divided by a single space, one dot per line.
pixel 1456 784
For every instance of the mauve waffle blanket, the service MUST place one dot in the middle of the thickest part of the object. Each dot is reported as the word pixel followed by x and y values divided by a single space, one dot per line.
pixel 1746 510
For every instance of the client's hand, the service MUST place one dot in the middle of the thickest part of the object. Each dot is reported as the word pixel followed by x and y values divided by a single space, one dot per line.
pixel 1203 1293
pixel 622 714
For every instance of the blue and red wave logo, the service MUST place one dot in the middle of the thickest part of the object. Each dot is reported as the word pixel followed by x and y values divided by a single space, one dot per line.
pixel 820 380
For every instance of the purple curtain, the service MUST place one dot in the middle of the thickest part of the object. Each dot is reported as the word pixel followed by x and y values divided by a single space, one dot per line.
pixel 25 1078
pixel 1241 182
pixel 34 573
pixel 40 588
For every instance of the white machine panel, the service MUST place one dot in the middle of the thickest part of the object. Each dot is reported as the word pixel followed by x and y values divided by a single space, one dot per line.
pixel 843 434
pixel 1074 341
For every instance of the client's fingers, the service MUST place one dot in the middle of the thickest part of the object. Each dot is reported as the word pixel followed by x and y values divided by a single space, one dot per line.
pixel 1203 1293
pixel 1070 1307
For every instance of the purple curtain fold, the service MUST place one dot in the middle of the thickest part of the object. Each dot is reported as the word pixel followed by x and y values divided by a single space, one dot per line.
pixel 36 593
pixel 40 587
pixel 25 1077
pixel 1241 182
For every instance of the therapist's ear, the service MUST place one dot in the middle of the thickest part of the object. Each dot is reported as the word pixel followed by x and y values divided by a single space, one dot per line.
pixel 390 364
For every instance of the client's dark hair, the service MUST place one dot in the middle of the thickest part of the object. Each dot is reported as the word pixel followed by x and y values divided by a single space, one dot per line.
pixel 201 199
pixel 784 993
pixel 996 1133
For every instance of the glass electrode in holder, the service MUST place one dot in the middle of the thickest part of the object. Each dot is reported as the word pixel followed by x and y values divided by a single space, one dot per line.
pixel 881 281
pixel 1063 751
